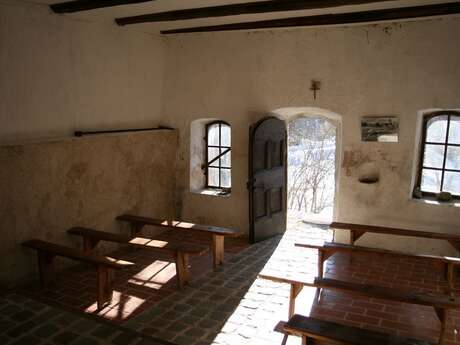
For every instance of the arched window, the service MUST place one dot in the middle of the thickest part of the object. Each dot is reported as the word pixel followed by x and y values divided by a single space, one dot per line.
pixel 439 169
pixel 218 155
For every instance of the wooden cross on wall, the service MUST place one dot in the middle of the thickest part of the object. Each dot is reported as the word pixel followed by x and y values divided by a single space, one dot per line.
pixel 315 86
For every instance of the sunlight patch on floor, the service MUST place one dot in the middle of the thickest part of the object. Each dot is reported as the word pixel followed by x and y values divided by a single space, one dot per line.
pixel 155 275
pixel 266 303
pixel 120 308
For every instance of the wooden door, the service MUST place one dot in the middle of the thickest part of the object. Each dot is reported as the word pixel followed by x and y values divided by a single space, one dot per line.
pixel 267 179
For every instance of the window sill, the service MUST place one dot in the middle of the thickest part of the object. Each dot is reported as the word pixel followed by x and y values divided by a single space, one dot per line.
pixel 212 192
pixel 433 201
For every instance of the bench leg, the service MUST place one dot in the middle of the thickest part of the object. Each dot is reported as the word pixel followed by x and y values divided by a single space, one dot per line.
pixel 320 263
pixel 307 340
pixel 182 269
pixel 136 229
pixel 217 250
pixel 442 315
pixel 355 235
pixel 46 268
pixel 450 280
pixel 104 286
pixel 89 244
pixel 295 290
pixel 285 338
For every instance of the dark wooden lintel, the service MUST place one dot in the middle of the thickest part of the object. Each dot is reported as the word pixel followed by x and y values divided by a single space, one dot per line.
pixel 240 8
pixel 86 5
pixel 333 19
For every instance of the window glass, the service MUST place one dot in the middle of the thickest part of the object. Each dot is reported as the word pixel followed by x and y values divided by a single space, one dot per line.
pixel 213 135
pixel 437 129
pixel 452 182
pixel 431 181
pixel 434 156
pixel 226 159
pixel 226 138
pixel 453 157
pixel 226 178
pixel 213 153
pixel 454 130
pixel 213 177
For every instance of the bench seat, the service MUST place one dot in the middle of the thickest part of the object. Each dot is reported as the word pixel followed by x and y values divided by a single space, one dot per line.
pixel 177 224
pixel 433 300
pixel 180 251
pixel 218 233
pixel 76 254
pixel 143 242
pixel 312 328
pixel 105 265
pixel 358 230
pixel 328 249
pixel 440 303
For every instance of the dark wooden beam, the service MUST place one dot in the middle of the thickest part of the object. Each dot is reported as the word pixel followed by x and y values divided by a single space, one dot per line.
pixel 332 19
pixel 238 9
pixel 86 5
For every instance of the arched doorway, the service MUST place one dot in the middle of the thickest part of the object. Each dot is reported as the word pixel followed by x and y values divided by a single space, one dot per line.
pixel 312 168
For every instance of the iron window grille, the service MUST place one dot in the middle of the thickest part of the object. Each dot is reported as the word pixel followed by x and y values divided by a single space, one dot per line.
pixel 218 159
pixel 448 145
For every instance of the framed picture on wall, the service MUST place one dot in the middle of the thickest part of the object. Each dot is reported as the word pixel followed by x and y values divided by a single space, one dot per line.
pixel 380 128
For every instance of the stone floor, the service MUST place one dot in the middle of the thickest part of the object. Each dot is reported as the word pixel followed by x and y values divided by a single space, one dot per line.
pixel 24 321
pixel 151 279
pixel 232 306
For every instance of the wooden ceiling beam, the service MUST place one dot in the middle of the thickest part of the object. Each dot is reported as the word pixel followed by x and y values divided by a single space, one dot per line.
pixel 86 5
pixel 333 19
pixel 240 8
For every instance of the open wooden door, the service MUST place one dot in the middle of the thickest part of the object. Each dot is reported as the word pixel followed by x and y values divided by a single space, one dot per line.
pixel 267 179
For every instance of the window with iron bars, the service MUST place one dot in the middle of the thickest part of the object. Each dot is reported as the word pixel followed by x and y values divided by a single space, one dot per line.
pixel 439 168
pixel 218 156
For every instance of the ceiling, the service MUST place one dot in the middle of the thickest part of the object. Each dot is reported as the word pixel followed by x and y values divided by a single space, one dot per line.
pixel 108 14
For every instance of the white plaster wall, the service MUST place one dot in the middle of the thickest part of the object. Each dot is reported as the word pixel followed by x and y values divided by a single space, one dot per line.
pixel 51 186
pixel 58 74
pixel 383 69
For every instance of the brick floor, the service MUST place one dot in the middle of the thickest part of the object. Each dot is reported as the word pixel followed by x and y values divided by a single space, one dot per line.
pixel 233 306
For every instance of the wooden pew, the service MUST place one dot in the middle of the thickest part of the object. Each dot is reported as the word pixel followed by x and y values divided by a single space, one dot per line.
pixel 329 249
pixel 314 329
pixel 105 265
pixel 358 230
pixel 218 233
pixel 440 303
pixel 181 252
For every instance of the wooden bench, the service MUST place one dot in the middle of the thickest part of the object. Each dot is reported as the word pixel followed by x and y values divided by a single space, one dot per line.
pixel 105 265
pixel 358 230
pixel 218 233
pixel 314 329
pixel 329 249
pixel 180 252
pixel 440 303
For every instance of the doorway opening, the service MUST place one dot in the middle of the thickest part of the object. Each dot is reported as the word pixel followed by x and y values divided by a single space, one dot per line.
pixel 312 143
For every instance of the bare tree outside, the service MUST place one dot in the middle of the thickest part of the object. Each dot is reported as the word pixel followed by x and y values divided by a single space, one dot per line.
pixel 311 173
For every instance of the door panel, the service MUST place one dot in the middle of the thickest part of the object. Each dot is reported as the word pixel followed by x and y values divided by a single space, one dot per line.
pixel 267 179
